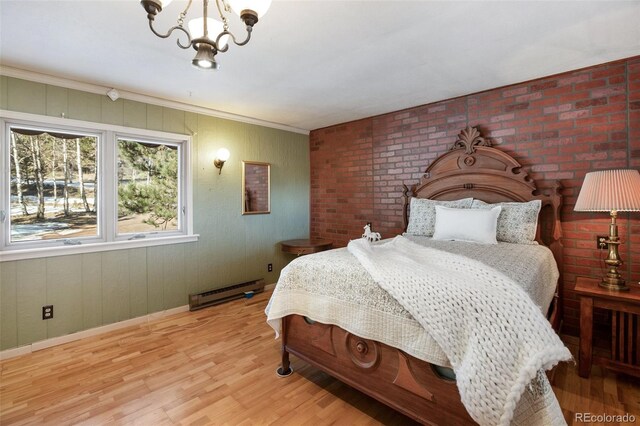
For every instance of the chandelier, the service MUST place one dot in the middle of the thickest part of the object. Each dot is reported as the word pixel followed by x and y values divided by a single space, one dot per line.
pixel 200 29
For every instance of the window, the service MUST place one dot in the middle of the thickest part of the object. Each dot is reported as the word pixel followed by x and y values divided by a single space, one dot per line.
pixel 68 184
pixel 147 186
pixel 53 180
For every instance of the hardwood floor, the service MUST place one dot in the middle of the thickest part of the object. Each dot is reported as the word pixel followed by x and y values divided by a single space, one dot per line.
pixel 217 366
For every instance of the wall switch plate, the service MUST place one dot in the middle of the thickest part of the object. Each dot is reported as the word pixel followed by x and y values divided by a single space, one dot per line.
pixel 270 267
pixel 600 242
pixel 47 312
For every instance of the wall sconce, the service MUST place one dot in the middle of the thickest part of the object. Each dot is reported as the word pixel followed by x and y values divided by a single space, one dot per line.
pixel 221 156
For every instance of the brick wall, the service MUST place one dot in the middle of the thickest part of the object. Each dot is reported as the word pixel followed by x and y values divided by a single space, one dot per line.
pixel 559 127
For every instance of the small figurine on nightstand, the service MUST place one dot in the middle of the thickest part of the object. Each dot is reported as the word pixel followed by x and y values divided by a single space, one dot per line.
pixel 370 235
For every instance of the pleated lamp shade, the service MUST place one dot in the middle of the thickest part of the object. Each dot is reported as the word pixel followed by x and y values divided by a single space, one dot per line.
pixel 609 190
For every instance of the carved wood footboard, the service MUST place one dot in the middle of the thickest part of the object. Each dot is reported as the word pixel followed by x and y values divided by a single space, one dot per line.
pixel 407 384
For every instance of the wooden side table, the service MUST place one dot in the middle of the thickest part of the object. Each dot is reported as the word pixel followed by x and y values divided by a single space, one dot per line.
pixel 625 326
pixel 300 247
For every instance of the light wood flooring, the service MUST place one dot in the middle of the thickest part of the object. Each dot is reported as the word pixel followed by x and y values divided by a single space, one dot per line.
pixel 217 366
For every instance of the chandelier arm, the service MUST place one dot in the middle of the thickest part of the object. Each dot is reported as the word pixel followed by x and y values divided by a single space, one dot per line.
pixel 225 7
pixel 168 34
pixel 186 9
pixel 242 43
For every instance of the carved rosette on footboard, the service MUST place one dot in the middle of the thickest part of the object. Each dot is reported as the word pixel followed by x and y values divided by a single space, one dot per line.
pixel 410 385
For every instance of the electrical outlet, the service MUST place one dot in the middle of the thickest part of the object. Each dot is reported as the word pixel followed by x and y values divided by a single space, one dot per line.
pixel 47 312
pixel 270 267
pixel 601 242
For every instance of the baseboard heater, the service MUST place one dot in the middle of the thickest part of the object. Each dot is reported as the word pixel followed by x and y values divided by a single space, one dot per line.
pixel 221 295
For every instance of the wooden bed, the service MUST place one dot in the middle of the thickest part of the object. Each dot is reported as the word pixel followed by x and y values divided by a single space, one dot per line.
pixel 472 168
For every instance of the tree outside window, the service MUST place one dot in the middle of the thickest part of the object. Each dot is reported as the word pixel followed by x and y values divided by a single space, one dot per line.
pixel 54 180
pixel 147 187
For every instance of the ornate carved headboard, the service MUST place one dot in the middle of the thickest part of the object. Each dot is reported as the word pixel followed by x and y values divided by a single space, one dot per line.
pixel 473 168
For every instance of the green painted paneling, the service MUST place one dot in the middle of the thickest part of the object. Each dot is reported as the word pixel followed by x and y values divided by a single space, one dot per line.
pixel 31 297
pixel 26 96
pixel 175 290
pixel 154 117
pixel 138 281
pixel 155 279
pixel 135 114
pixel 64 292
pixel 57 101
pixel 85 106
pixel 115 286
pixel 94 289
pixel 3 92
pixel 8 305
pixel 190 128
pixel 91 290
pixel 191 264
pixel 173 120
pixel 112 111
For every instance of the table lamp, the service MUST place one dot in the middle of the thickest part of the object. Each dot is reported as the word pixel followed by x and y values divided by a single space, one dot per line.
pixel 611 191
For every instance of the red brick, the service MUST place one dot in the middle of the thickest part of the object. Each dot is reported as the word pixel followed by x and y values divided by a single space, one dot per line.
pixel 591 84
pixel 608 91
pixel 529 97
pixel 544 85
pixel 557 108
pixel 573 79
pixel 518 106
pixel 515 91
pixel 608 71
pixel 571 115
pixel 503 117
pixel 591 102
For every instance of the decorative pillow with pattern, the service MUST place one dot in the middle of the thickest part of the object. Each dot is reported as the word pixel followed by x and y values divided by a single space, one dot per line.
pixel 517 223
pixel 422 214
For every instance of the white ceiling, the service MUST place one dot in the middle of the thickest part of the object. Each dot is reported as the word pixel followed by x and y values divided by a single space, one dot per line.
pixel 311 64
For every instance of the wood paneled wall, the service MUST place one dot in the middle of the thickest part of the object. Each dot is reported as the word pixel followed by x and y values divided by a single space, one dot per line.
pixel 95 289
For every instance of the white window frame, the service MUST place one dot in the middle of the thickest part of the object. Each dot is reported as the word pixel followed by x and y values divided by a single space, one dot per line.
pixel 107 237
pixel 181 185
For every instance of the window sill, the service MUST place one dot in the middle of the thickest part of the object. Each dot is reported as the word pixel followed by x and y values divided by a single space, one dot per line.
pixel 9 255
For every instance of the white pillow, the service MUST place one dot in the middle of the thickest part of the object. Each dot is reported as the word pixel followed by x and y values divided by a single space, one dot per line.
pixel 477 226
pixel 518 222
pixel 422 214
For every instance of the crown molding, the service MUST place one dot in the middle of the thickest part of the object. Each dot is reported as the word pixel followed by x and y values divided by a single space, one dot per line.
pixel 139 97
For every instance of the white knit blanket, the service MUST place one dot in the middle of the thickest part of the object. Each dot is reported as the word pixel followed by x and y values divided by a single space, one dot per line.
pixel 495 337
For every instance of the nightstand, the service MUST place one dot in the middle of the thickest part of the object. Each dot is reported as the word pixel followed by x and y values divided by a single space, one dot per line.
pixel 625 326
pixel 299 247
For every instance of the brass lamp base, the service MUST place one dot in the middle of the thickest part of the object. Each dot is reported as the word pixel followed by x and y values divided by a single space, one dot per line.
pixel 613 280
pixel 616 286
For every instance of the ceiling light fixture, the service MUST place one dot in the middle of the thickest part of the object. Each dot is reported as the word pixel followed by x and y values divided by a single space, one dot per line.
pixel 199 29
